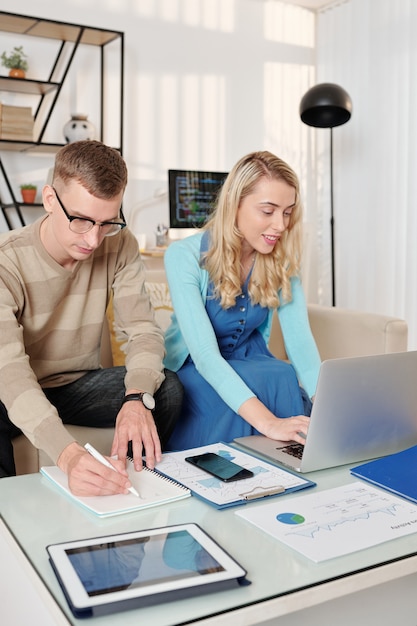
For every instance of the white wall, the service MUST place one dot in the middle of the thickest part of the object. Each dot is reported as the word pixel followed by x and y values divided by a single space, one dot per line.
pixel 369 47
pixel 206 82
pixel 209 80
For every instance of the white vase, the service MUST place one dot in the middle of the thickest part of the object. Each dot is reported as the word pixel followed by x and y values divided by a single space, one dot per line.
pixel 78 128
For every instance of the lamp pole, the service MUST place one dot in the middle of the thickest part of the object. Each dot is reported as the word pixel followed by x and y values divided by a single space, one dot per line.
pixel 332 235
pixel 324 106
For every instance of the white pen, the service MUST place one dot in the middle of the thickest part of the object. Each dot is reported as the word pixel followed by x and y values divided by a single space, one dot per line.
pixel 99 457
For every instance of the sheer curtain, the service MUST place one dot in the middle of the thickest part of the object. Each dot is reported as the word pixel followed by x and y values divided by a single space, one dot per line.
pixel 369 48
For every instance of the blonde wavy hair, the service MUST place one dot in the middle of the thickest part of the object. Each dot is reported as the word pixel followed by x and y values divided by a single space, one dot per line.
pixel 272 271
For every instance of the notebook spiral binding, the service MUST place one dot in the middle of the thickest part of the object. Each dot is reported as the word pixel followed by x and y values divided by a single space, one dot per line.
pixel 160 475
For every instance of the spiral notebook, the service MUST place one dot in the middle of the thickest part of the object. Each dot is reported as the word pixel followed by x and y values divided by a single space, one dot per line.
pixel 154 489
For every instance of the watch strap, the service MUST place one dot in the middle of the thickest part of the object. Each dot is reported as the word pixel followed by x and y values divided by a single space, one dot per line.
pixel 132 396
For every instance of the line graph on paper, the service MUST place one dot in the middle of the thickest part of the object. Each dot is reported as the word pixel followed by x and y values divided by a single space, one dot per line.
pixel 358 506
pixel 335 522
pixel 266 476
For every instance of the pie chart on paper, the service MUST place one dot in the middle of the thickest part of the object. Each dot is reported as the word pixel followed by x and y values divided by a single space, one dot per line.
pixel 290 518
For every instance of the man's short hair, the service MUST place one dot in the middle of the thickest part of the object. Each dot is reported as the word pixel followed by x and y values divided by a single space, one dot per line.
pixel 97 167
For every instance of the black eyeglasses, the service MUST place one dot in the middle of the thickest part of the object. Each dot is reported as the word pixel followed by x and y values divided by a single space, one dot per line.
pixel 82 225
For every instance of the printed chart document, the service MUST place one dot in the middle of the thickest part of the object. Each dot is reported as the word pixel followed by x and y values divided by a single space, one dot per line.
pixel 337 521
pixel 268 480
pixel 153 489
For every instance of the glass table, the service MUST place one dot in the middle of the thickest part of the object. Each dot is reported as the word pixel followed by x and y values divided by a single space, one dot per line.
pixel 284 583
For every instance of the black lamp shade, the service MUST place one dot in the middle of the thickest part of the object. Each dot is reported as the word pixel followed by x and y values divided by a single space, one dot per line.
pixel 325 105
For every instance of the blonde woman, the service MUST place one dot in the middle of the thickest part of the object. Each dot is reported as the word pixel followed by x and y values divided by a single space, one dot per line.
pixel 226 282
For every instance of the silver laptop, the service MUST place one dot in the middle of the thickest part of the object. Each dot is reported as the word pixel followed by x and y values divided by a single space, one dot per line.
pixel 364 408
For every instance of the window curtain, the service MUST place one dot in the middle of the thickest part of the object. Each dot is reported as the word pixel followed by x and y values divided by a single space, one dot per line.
pixel 369 47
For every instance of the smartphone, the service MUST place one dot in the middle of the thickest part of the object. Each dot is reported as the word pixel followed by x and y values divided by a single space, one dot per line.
pixel 219 466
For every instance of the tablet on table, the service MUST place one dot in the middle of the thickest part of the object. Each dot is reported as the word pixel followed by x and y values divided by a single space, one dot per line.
pixel 130 570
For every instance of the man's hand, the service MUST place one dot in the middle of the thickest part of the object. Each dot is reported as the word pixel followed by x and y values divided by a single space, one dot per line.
pixel 135 423
pixel 89 477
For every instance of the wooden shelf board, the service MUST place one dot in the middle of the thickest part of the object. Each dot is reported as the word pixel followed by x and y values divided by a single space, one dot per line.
pixel 29 146
pixel 26 85
pixel 12 205
pixel 64 31
pixel 54 30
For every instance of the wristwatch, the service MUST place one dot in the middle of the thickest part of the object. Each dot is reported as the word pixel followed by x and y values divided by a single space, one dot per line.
pixel 147 400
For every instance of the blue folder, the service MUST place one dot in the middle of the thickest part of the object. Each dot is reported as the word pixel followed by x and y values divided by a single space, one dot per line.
pixel 395 472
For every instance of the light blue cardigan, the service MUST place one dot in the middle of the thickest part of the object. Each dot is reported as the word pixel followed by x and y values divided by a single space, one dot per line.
pixel 191 332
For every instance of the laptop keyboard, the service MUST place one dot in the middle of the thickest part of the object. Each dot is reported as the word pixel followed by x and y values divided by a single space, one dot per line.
pixel 295 449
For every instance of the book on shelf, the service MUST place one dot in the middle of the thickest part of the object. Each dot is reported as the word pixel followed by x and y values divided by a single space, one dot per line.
pixel 153 488
pixel 17 127
pixel 16 136
pixel 17 132
pixel 16 123
pixel 8 111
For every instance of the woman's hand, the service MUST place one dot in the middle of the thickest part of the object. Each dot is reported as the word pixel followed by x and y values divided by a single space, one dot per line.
pixel 288 428
pixel 285 429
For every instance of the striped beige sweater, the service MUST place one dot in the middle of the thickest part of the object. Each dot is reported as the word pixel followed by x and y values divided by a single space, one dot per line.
pixel 51 322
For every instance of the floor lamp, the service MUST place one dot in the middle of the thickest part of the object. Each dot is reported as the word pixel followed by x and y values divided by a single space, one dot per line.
pixel 325 106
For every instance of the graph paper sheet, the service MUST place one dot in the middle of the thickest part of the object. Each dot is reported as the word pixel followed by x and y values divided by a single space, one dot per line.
pixel 335 522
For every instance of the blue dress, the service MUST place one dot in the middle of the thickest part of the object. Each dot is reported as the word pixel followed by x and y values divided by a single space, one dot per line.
pixel 205 417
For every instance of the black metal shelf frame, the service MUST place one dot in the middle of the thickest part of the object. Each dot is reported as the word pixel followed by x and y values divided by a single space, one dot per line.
pixel 72 36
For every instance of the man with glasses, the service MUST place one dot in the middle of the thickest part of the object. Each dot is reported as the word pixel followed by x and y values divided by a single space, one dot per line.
pixel 56 278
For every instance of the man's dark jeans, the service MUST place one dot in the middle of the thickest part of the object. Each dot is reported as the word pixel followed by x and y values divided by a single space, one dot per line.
pixel 95 400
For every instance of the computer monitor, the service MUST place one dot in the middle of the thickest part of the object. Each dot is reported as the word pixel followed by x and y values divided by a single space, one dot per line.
pixel 192 196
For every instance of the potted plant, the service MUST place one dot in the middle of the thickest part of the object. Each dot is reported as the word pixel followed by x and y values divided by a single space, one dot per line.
pixel 16 62
pixel 28 192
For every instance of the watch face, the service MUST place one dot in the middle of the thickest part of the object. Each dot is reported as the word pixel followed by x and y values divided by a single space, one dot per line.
pixel 148 401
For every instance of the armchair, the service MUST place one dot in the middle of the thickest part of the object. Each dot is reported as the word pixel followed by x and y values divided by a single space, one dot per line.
pixel 344 333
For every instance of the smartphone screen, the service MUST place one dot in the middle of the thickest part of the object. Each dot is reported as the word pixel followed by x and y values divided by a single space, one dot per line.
pixel 219 466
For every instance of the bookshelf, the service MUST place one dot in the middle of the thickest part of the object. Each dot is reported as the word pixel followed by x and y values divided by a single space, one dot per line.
pixel 71 38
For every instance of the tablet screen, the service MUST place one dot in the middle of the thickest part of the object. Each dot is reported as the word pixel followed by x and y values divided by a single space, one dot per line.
pixel 129 570
pixel 135 562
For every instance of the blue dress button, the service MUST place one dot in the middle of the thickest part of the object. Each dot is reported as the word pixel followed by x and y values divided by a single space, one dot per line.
pixel 242 309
